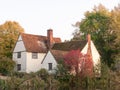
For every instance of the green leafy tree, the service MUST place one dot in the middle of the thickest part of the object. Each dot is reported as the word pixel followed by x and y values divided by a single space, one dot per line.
pixel 98 23
pixel 61 69
pixel 9 32
pixel 95 23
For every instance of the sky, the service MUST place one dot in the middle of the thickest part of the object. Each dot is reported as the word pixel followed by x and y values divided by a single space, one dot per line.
pixel 37 16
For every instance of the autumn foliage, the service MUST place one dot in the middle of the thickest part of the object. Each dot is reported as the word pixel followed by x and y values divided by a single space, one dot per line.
pixel 79 64
pixel 9 32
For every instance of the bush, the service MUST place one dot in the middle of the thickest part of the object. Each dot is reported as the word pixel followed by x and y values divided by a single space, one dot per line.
pixel 20 74
pixel 6 66
pixel 42 72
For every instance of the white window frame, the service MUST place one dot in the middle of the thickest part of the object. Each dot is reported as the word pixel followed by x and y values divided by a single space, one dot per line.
pixel 34 55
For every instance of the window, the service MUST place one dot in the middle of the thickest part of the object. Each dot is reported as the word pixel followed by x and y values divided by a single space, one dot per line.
pixel 18 67
pixel 34 55
pixel 50 66
pixel 19 55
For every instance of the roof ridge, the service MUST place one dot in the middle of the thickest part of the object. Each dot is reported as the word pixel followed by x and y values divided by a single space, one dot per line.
pixel 36 43
pixel 73 41
pixel 33 34
pixel 37 35
pixel 71 45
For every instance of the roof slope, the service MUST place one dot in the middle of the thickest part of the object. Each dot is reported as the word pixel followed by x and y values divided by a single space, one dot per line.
pixel 59 50
pixel 58 54
pixel 67 46
pixel 36 43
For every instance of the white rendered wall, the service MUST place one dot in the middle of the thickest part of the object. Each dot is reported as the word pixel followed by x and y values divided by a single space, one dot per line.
pixel 20 48
pixel 49 59
pixel 33 65
pixel 21 61
pixel 95 54
pixel 19 45
pixel 20 38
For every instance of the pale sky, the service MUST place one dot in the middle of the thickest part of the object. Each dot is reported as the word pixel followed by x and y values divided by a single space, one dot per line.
pixel 36 16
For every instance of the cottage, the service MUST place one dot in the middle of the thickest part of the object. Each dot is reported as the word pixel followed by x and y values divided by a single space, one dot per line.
pixel 59 50
pixel 30 50
pixel 33 52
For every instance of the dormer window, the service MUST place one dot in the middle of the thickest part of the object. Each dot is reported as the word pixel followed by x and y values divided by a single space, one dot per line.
pixel 18 54
pixel 34 55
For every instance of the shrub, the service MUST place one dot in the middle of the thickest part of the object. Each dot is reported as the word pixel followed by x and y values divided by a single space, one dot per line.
pixel 6 66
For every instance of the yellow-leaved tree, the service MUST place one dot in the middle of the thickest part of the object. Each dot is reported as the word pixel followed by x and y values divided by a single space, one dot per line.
pixel 9 32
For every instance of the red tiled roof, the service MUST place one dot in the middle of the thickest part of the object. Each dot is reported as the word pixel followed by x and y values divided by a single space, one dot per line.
pixel 36 43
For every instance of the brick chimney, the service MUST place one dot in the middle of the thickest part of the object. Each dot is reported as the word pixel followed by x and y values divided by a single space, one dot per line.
pixel 89 39
pixel 50 40
pixel 89 57
pixel 89 44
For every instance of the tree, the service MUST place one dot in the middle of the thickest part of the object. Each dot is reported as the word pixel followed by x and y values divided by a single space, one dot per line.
pixel 98 23
pixel 79 64
pixel 94 21
pixel 115 16
pixel 9 32
pixel 61 70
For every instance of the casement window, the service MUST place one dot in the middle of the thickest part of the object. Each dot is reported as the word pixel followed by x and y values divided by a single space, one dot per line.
pixel 18 67
pixel 18 54
pixel 34 55
pixel 49 66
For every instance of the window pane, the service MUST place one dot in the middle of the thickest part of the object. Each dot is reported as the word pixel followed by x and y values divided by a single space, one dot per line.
pixel 19 55
pixel 18 67
pixel 50 66
pixel 34 55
